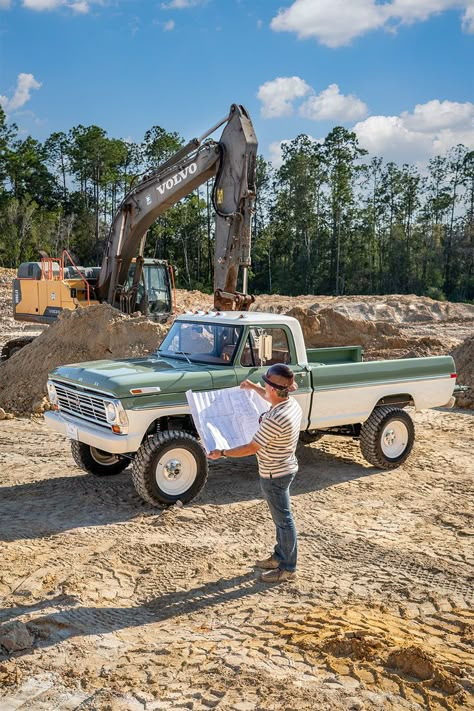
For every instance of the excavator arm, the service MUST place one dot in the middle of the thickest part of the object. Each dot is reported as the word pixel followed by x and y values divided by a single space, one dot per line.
pixel 232 161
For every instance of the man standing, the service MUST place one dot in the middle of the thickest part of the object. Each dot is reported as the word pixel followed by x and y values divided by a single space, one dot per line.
pixel 274 445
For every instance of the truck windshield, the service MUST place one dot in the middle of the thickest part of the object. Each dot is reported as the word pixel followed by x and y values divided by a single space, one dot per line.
pixel 201 342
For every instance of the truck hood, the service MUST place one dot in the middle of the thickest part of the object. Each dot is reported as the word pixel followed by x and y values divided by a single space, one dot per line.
pixel 118 377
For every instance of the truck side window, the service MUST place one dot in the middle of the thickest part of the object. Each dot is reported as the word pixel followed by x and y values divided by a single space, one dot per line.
pixel 280 348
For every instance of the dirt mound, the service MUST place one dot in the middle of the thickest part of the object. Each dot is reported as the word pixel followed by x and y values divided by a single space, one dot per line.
pixel 464 359
pixel 95 333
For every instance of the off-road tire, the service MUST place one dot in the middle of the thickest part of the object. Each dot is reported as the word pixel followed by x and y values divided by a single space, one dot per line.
pixel 83 455
pixel 374 433
pixel 153 451
pixel 307 437
pixel 15 345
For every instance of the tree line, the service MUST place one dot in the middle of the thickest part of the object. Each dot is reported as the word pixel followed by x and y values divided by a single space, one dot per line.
pixel 330 220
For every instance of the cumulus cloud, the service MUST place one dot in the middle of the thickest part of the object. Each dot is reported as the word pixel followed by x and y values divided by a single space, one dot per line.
pixel 277 95
pixel 330 104
pixel 337 22
pixel 430 129
pixel 25 84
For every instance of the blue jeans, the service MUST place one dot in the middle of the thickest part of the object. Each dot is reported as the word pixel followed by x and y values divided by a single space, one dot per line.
pixel 276 493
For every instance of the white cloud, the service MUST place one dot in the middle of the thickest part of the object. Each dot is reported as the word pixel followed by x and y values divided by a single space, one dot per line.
pixel 276 95
pixel 330 104
pixel 80 7
pixel 168 26
pixel 468 20
pixel 431 129
pixel 181 4
pixel 5 4
pixel 22 94
pixel 41 5
pixel 337 22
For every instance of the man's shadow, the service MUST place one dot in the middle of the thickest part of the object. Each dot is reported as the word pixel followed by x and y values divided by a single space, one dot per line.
pixel 75 621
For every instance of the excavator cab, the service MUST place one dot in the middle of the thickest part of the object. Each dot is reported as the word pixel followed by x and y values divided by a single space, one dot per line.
pixel 155 291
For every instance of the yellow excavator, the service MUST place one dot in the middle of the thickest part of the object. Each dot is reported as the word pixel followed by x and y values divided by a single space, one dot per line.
pixel 128 281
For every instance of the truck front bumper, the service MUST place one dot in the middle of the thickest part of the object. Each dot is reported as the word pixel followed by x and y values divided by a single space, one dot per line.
pixel 88 433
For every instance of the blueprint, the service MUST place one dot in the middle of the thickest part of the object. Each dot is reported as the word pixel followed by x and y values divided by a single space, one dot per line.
pixel 226 418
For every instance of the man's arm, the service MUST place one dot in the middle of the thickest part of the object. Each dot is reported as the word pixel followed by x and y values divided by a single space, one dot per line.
pixel 244 450
pixel 248 385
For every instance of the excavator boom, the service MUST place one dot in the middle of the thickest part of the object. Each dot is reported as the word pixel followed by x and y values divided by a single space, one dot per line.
pixel 232 161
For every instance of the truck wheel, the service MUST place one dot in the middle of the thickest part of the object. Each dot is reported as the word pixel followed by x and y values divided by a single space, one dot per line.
pixel 15 345
pixel 169 466
pixel 96 461
pixel 387 437
pixel 308 436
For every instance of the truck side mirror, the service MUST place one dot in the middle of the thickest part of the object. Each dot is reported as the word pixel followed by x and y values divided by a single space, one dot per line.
pixel 265 347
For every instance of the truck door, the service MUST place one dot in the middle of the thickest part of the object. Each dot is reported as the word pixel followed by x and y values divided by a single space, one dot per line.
pixel 251 365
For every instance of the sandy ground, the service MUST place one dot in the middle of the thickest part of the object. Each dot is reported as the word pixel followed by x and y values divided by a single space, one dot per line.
pixel 109 605
pixel 113 605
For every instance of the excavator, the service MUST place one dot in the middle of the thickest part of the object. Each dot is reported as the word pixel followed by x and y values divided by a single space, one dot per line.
pixel 128 281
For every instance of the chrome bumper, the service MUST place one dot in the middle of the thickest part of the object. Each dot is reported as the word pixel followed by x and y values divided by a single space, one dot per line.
pixel 76 429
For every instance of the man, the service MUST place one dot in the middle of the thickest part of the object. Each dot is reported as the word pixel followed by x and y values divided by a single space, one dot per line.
pixel 274 445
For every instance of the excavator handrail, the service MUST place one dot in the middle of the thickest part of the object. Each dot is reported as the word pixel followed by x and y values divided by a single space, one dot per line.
pixel 81 276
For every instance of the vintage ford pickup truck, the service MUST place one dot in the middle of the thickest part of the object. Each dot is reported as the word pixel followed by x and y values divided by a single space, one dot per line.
pixel 119 411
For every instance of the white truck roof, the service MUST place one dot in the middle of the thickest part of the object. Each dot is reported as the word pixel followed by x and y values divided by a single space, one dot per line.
pixel 236 318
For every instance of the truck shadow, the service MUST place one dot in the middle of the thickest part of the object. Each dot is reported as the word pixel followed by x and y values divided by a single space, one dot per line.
pixel 50 506
pixel 78 621
pixel 237 480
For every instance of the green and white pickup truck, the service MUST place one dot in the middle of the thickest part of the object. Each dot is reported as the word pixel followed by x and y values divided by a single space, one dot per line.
pixel 118 411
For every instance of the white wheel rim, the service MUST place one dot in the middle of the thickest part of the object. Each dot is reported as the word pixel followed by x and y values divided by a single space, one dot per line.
pixel 394 439
pixel 176 471
pixel 104 458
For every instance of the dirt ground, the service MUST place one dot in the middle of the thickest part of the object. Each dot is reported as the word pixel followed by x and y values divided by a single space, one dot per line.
pixel 110 605
pixel 107 604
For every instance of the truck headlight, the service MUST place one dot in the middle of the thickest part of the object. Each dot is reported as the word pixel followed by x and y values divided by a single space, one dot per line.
pixel 110 412
pixel 52 394
pixel 116 417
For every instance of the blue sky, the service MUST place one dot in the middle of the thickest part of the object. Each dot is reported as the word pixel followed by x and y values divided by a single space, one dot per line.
pixel 398 72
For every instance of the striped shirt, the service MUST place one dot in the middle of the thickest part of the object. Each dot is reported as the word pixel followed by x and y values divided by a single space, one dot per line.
pixel 278 436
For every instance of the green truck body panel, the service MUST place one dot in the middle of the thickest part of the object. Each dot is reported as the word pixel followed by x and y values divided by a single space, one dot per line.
pixel 372 372
pixel 175 376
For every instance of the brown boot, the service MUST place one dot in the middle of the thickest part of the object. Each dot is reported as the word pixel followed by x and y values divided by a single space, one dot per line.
pixel 269 563
pixel 277 576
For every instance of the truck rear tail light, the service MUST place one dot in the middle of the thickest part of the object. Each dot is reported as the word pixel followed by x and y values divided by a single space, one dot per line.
pixel 454 375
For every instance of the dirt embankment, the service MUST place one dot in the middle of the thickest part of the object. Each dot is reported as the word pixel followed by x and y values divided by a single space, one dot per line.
pixel 97 333
pixel 386 326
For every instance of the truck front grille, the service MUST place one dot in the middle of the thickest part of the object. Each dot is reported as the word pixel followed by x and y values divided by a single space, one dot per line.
pixel 81 404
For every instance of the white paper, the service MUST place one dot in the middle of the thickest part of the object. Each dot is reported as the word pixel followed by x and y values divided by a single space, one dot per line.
pixel 226 418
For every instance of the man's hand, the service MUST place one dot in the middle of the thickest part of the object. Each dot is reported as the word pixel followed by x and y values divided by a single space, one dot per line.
pixel 215 454
pixel 247 385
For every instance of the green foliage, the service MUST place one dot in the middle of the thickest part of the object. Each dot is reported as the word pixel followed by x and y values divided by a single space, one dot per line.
pixel 330 219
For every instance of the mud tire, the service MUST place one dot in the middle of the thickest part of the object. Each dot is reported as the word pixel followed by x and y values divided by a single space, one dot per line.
pixel 15 345
pixel 383 425
pixel 157 455
pixel 94 460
